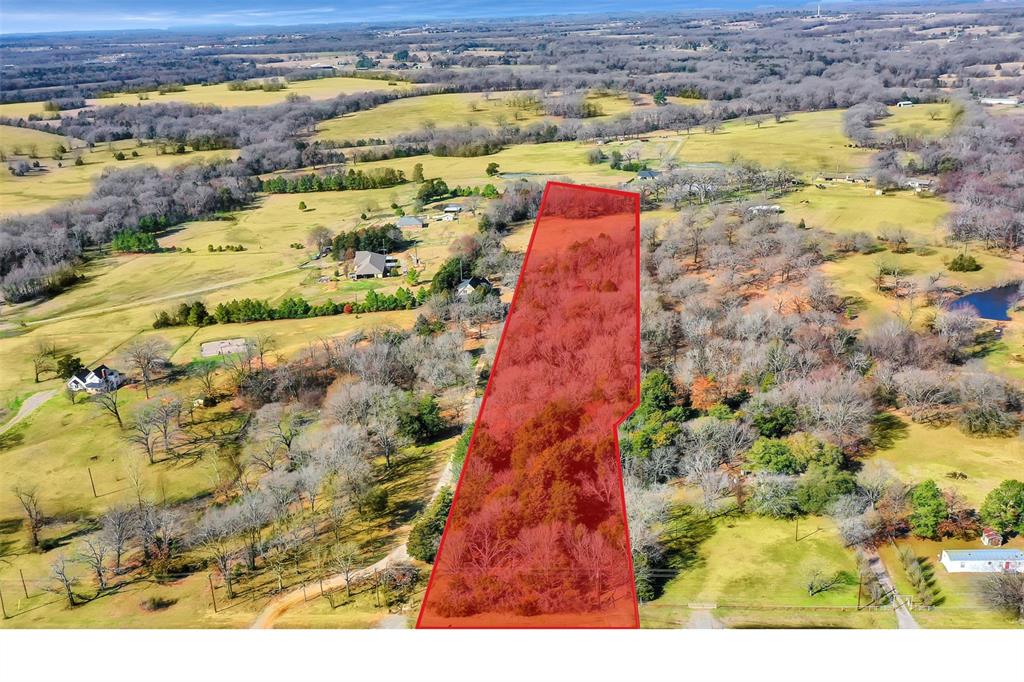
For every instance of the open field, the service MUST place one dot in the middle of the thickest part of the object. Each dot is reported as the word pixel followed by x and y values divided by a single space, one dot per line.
pixel 1006 357
pixel 413 113
pixel 919 452
pixel 848 207
pixel 958 604
pixel 51 185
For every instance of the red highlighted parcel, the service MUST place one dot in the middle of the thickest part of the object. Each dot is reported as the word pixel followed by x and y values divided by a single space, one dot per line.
pixel 537 533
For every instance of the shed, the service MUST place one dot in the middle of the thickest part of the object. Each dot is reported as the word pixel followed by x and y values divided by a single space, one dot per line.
pixel 991 538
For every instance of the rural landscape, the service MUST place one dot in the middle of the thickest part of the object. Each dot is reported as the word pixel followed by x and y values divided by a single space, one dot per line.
pixel 253 284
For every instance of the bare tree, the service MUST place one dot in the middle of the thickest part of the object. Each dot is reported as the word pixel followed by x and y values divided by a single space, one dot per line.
pixel 108 401
pixel 344 561
pixel 143 432
pixel 1004 592
pixel 28 497
pixel 65 581
pixel 146 357
pixel 117 527
pixel 43 359
pixel 214 538
pixel 93 553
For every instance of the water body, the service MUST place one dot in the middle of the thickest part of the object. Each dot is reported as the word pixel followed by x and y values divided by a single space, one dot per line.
pixel 991 304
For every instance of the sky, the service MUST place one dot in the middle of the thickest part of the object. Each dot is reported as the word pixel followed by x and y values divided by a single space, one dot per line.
pixel 33 16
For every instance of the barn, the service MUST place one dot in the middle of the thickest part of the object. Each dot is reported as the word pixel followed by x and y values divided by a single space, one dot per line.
pixel 983 560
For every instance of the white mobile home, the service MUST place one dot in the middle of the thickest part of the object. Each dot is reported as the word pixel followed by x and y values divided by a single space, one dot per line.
pixel 983 560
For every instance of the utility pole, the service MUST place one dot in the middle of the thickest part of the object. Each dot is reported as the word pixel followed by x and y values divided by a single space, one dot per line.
pixel 92 482
pixel 213 594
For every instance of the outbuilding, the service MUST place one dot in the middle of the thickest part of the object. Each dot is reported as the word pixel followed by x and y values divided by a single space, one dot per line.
pixel 408 221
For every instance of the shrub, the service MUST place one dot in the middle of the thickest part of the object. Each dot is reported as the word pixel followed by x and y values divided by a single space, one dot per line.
pixel 425 535
pixel 964 263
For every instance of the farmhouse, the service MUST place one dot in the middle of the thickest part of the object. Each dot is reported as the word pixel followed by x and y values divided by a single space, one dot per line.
pixel 99 380
pixel 369 264
pixel 647 175
pixel 919 184
pixel 466 287
pixel 408 221
pixel 983 560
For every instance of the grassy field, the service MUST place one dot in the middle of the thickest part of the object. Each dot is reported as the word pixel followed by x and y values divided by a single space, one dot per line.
pixel 922 120
pixel 410 114
pixel 854 277
pixel 847 207
pixel 15 140
pixel 1006 356
pixel 754 562
pixel 47 187
pixel 809 142
pixel 920 452
pixel 958 604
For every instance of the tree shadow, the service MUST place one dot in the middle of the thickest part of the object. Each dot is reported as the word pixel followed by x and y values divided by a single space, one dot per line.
pixel 685 531
pixel 886 429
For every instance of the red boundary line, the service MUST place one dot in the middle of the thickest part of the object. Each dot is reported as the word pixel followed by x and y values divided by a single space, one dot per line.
pixel 615 433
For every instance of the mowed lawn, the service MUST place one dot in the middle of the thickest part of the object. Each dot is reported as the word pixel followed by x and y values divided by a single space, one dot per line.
pixel 919 452
pixel 844 208
pixel 922 120
pixel 958 598
pixel 1006 357
pixel 753 561
pixel 47 187
pixel 444 111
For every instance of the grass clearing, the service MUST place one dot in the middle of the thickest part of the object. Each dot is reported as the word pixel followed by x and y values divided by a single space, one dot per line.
pixel 919 452
pixel 921 120
pixel 811 142
pixel 17 141
pixel 754 562
pixel 847 207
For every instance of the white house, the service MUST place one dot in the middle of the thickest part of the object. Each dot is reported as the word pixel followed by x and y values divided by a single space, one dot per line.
pixel 983 560
pixel 99 380
pixel 904 103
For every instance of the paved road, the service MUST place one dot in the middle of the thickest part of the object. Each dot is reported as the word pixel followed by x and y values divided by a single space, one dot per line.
pixel 31 404
pixel 904 619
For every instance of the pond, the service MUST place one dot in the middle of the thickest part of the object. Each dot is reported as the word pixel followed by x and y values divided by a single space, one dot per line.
pixel 991 304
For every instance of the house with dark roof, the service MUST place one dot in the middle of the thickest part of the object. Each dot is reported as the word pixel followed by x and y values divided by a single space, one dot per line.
pixel 647 175
pixel 98 380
